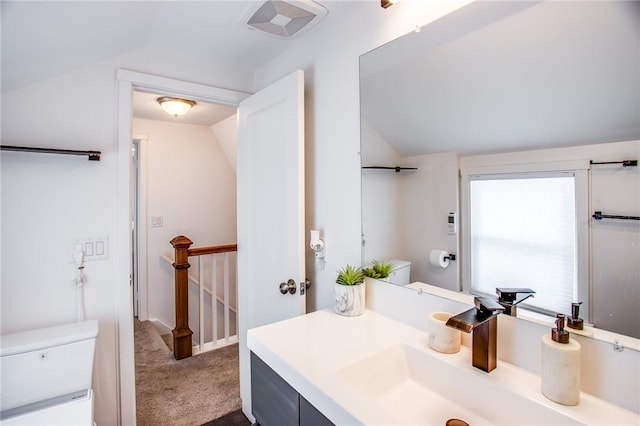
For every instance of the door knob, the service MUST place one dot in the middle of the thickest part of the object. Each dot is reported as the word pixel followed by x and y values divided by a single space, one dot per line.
pixel 288 287
pixel 304 286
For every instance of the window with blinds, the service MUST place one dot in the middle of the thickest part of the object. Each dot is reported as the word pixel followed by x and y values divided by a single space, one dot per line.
pixel 522 233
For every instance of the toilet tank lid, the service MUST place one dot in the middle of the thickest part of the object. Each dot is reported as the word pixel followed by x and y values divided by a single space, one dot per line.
pixel 33 340
pixel 399 264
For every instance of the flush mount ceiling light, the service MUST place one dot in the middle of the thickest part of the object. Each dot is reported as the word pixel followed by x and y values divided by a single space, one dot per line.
pixel 284 19
pixel 175 106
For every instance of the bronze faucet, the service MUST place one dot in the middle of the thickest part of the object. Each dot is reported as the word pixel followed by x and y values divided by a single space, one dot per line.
pixel 508 297
pixel 482 320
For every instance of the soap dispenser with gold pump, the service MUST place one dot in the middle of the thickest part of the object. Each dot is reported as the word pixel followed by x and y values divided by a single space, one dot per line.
pixel 560 372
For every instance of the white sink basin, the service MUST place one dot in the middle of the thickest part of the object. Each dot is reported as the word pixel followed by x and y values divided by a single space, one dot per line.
pixel 419 388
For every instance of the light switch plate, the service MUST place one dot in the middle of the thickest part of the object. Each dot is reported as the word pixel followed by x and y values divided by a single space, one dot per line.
pixel 94 248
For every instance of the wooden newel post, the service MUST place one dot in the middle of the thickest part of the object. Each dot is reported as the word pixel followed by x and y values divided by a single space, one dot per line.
pixel 182 347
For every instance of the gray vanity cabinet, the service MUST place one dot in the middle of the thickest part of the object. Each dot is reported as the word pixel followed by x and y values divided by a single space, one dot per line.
pixel 310 416
pixel 275 403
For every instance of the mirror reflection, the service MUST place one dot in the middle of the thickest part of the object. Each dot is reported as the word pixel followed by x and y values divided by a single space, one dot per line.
pixel 480 137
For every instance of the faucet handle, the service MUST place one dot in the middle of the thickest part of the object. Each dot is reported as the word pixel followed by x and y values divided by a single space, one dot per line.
pixel 487 305
pixel 509 294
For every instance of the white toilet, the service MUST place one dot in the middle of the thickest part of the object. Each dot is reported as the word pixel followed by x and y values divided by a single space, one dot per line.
pixel 400 274
pixel 46 375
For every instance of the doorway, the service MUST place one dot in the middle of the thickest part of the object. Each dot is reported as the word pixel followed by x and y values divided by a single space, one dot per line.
pixel 183 183
pixel 127 83
pixel 272 117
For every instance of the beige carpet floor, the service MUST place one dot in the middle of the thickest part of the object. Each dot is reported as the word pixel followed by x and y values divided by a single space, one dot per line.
pixel 188 392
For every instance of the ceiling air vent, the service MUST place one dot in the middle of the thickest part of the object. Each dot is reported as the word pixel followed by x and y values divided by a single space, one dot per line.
pixel 285 19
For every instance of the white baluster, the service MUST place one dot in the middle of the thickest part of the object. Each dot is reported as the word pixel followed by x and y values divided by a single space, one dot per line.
pixel 201 301
pixel 214 300
pixel 235 257
pixel 226 296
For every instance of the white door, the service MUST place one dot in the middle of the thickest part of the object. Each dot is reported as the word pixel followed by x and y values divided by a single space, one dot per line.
pixel 270 211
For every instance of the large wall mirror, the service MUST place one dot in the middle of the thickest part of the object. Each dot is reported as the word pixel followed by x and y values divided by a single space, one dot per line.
pixel 508 87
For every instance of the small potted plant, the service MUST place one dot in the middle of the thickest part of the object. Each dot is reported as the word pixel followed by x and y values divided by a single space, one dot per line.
pixel 379 270
pixel 349 291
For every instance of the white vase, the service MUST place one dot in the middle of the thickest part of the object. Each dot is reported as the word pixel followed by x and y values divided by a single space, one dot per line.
pixel 349 299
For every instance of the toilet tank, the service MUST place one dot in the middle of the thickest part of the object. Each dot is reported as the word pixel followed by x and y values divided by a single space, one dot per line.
pixel 400 273
pixel 46 363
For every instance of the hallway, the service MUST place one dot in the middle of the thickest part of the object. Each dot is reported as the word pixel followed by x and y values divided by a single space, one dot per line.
pixel 192 391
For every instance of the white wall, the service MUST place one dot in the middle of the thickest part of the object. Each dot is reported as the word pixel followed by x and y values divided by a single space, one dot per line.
pixel 381 196
pixel 47 200
pixel 226 131
pixel 191 184
pixel 431 192
pixel 404 214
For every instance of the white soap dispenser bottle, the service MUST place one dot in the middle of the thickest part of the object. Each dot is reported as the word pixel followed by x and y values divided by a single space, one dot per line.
pixel 561 365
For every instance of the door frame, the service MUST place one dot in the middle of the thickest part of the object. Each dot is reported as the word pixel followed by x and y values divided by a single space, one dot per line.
pixel 126 82
pixel 139 225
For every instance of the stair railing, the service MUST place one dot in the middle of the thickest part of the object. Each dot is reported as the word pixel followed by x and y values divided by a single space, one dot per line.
pixel 182 334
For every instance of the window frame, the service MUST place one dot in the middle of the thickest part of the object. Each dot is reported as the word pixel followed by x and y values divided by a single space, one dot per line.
pixel 580 171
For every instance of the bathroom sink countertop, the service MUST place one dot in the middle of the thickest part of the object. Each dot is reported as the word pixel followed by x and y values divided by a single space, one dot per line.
pixel 318 354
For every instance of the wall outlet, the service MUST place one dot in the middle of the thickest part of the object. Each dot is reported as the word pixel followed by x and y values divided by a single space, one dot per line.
pixel 94 248
pixel 156 221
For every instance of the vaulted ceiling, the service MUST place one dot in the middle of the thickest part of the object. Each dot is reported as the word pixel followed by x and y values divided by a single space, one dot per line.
pixel 41 39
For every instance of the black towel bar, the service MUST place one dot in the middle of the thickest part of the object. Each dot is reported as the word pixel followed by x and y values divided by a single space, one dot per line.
pixel 600 216
pixel 92 155
pixel 625 163
pixel 397 169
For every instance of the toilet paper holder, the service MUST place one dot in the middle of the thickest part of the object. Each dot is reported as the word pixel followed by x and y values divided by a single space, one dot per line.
pixel 440 258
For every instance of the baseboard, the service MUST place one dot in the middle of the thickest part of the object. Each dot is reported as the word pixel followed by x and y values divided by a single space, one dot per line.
pixel 248 414
pixel 160 327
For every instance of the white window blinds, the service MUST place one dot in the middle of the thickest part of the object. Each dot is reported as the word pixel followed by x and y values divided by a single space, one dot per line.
pixel 523 234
